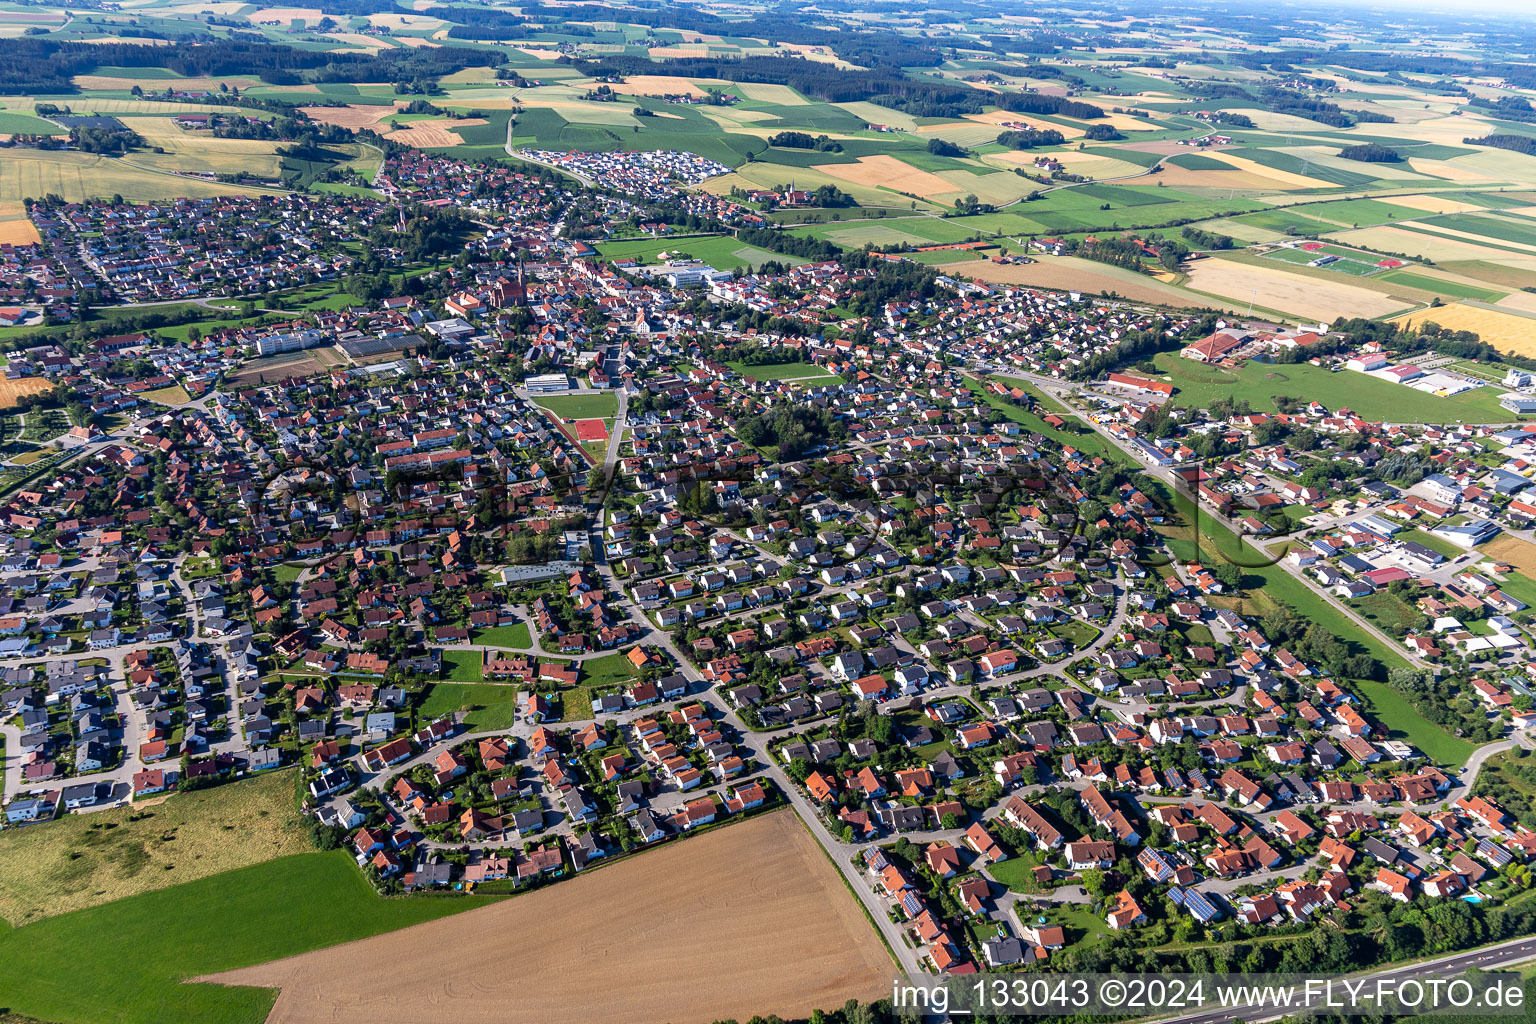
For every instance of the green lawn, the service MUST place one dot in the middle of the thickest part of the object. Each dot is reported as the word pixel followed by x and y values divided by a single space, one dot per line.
pixel 515 636
pixel 603 405
pixel 723 252
pixel 1387 612
pixel 1444 547
pixel 1374 399
pixel 462 666
pixel 287 574
pixel 780 371
pixel 606 671
pixel 1403 721
pixel 126 961
pixel 1080 633
pixel 1015 872
pixel 488 705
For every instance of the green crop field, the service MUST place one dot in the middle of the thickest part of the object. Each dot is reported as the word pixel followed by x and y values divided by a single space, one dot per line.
pixel 25 124
pixel 1374 399
pixel 1487 227
pixel 1284 161
pixel 1451 289
pixel 127 961
pixel 1198 162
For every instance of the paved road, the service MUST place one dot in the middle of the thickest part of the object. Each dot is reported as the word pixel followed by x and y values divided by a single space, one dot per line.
pixel 1504 954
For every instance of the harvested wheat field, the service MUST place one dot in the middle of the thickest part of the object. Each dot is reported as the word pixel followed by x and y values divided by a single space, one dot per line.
pixel 749 919
pixel 1519 553
pixel 1309 297
pixel 354 115
pixel 1068 273
pixel 781 94
pixel 152 85
pixel 433 134
pixel 888 172
pixel 397 20
pixel 1435 204
pixel 283 15
pixel 15 228
pixel 1068 131
pixel 1508 332
pixel 12 390
pixel 1286 178
pixel 660 85
pixel 359 39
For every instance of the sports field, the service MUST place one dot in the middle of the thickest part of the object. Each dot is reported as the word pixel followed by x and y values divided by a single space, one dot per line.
pixel 600 405
pixel 591 430
pixel 751 904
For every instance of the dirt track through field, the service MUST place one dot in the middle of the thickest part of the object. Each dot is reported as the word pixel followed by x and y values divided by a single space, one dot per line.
pixel 750 919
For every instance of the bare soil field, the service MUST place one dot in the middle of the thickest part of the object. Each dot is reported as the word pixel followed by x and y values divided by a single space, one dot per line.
pixel 432 134
pixel 1307 297
pixel 12 390
pixel 84 860
pixel 270 368
pixel 888 172
pixel 1519 553
pixel 1508 332
pixel 750 919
